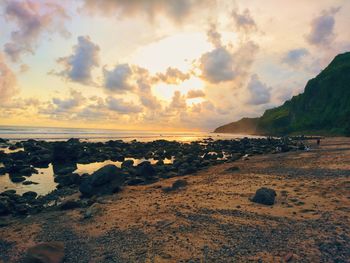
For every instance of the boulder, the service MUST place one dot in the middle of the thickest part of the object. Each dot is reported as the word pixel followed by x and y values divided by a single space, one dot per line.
pixel 265 196
pixel 29 195
pixel 146 170
pixel 106 180
pixel 50 252
pixel 127 164
pixel 68 179
pixel 64 168
pixel 4 205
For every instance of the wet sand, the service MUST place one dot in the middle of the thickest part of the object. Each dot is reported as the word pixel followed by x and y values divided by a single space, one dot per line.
pixel 212 218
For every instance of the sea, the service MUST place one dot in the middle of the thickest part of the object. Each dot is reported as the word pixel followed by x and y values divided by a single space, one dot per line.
pixel 19 133
pixel 44 181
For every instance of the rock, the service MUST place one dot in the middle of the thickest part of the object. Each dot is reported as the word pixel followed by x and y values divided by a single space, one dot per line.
pixel 66 168
pixel 17 179
pixel 29 195
pixel 264 196
pixel 3 170
pixel 29 183
pixel 63 152
pixel 106 180
pixel 146 170
pixel 68 179
pixel 4 205
pixel 50 252
pixel 127 164
pixel 70 204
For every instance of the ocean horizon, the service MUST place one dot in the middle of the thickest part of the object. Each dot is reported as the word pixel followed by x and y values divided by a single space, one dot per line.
pixel 91 134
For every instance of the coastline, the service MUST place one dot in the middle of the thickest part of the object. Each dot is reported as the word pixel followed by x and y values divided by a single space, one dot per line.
pixel 210 217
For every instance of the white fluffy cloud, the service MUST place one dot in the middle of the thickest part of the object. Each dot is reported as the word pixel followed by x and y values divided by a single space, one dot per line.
pixel 32 18
pixel 322 28
pixel 78 66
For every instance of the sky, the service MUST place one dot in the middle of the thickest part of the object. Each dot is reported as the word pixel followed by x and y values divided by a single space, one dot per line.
pixel 160 64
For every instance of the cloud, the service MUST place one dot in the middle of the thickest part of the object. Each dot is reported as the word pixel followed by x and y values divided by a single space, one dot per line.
pixel 214 36
pixel 258 91
pixel 176 10
pixel 244 21
pixel 145 94
pixel 217 65
pixel 7 82
pixel 322 28
pixel 121 106
pixel 32 18
pixel 76 99
pixel 293 57
pixel 224 64
pixel 78 66
pixel 117 79
pixel 178 101
pixel 192 94
pixel 173 76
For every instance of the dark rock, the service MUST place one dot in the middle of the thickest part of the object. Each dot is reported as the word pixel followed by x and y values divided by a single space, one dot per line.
pixel 3 170
pixel 29 195
pixel 50 252
pixel 70 204
pixel 146 170
pixel 64 168
pixel 127 164
pixel 264 196
pixel 29 183
pixel 5 205
pixel 17 179
pixel 65 152
pixel 68 179
pixel 106 180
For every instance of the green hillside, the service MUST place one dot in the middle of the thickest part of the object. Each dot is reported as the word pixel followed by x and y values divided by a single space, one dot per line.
pixel 323 108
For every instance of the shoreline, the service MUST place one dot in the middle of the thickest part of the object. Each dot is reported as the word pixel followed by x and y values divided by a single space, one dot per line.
pixel 209 216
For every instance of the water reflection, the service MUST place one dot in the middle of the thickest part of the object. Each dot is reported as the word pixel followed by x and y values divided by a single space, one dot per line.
pixel 45 178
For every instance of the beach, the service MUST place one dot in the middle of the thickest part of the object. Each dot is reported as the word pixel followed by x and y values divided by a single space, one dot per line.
pixel 210 216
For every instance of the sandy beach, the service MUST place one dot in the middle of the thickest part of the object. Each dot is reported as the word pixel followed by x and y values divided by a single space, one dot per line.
pixel 210 219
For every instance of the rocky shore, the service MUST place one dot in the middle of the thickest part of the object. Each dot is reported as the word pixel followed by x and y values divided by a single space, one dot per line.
pixel 262 200
pixel 26 157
